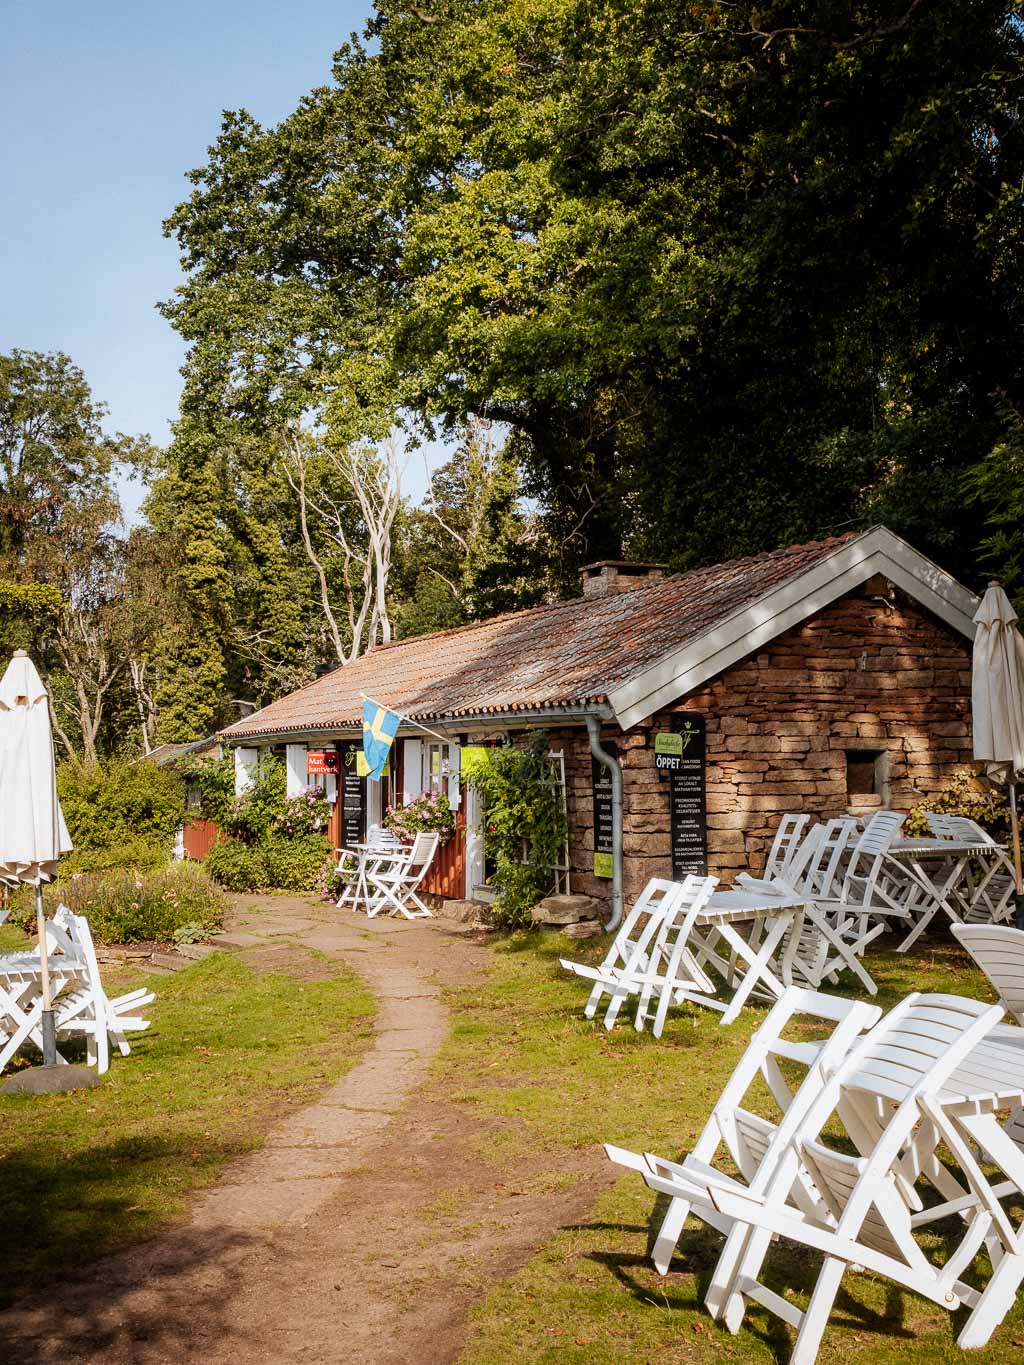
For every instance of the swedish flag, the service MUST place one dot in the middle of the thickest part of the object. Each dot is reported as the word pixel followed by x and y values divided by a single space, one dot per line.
pixel 379 728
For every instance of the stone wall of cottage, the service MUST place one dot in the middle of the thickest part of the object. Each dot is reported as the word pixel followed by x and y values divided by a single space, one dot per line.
pixel 874 671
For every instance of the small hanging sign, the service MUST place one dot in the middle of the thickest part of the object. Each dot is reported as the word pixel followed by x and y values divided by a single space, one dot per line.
pixel 323 761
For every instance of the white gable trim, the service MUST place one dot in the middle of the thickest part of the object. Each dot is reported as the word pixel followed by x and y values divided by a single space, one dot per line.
pixel 877 551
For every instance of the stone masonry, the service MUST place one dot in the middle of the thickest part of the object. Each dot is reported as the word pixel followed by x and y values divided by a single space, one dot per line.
pixel 874 671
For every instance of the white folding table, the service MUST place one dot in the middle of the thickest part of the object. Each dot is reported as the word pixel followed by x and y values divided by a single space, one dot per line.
pixel 746 968
pixel 938 874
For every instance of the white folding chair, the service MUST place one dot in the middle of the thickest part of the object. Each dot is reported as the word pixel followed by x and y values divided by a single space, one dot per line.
pixel 21 994
pixel 87 1010
pixel 788 839
pixel 381 845
pixel 827 942
pixel 393 882
pixel 743 1136
pixel 891 1082
pixel 990 900
pixel 998 949
pixel 651 958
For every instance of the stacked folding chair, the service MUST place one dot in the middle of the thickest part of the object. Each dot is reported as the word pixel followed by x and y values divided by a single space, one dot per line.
pixel 991 899
pixel 81 1006
pixel 838 872
pixel 86 1010
pixel 652 959
pixel 893 1091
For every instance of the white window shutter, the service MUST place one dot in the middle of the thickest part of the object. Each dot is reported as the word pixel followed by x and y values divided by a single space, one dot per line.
pixel 412 770
pixel 295 763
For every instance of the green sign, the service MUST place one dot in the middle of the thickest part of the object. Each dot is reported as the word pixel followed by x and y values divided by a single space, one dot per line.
pixel 603 865
pixel 471 756
pixel 667 743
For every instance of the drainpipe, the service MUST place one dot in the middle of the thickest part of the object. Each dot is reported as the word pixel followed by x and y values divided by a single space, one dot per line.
pixel 612 764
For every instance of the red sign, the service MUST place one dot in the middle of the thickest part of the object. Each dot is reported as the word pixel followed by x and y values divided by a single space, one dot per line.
pixel 323 761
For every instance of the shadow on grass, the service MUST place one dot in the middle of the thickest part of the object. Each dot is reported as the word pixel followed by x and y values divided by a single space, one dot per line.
pixel 60 1212
pixel 697 1255
pixel 66 1214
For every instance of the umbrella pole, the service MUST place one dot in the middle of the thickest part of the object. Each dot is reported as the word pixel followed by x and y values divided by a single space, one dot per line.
pixel 49 1036
pixel 1018 878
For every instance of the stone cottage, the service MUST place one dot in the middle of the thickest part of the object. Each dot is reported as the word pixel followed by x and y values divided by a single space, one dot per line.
pixel 684 713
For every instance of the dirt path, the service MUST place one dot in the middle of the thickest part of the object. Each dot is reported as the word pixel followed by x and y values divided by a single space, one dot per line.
pixel 364 1229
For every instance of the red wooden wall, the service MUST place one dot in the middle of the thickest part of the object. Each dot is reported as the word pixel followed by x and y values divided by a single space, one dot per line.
pixel 446 876
pixel 200 836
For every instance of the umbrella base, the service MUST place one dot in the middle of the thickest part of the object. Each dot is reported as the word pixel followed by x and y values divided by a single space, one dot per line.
pixel 48 1080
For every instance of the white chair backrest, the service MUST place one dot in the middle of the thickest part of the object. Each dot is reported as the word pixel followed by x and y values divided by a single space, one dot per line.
pixel 940 826
pixel 785 845
pixel 768 1047
pixel 998 950
pixel 423 849
pixel 81 936
pixel 867 854
pixel 379 837
pixel 820 872
pixel 879 833
pixel 960 827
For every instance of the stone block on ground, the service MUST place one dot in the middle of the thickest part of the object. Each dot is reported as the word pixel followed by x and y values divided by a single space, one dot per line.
pixel 586 928
pixel 463 911
pixel 196 951
pixel 566 910
pixel 170 961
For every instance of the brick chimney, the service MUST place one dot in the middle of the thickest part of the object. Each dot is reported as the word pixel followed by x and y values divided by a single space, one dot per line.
pixel 610 576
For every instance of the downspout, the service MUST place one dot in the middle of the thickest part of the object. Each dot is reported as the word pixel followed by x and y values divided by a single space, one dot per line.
pixel 612 764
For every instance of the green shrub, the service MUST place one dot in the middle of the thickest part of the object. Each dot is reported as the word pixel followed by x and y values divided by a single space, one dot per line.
pixel 255 812
pixel 964 794
pixel 276 864
pixel 130 907
pixel 135 852
pixel 106 803
pixel 215 779
pixel 295 864
pixel 237 866
pixel 525 825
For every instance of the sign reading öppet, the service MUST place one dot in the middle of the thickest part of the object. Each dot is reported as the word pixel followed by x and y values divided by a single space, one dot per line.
pixel 687 797
pixel 323 761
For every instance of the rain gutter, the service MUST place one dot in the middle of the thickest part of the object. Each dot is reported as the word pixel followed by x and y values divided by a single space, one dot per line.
pixel 612 764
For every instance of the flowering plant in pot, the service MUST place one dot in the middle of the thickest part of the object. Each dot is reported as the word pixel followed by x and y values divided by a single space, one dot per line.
pixel 307 813
pixel 426 814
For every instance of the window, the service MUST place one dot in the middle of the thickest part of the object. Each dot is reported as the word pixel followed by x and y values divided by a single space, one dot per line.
pixel 866 772
pixel 436 774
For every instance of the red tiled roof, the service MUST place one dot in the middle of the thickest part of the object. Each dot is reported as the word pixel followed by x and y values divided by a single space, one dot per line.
pixel 567 654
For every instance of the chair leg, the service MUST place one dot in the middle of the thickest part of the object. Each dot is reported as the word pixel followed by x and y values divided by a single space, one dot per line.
pixel 815 1319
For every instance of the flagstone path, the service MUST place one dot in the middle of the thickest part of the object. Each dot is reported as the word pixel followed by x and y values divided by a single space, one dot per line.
pixel 366 1226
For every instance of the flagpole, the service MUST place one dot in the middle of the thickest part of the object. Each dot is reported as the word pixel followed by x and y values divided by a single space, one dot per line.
pixel 445 739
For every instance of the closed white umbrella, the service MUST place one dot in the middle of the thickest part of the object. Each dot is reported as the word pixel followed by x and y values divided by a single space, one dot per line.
pixel 998 706
pixel 33 834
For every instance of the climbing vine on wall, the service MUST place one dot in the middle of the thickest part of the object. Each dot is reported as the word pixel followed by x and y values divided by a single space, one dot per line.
pixel 525 825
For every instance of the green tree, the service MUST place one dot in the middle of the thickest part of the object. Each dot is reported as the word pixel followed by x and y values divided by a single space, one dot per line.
pixel 473 549
pixel 734 274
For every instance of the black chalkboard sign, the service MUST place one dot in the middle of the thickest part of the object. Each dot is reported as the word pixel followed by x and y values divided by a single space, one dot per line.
pixel 601 780
pixel 353 799
pixel 687 797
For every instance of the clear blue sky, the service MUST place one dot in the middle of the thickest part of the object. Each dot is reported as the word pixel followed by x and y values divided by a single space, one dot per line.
pixel 104 107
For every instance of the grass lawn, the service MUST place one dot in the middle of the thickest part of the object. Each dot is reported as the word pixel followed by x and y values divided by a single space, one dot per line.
pixel 522 1048
pixel 229 1052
